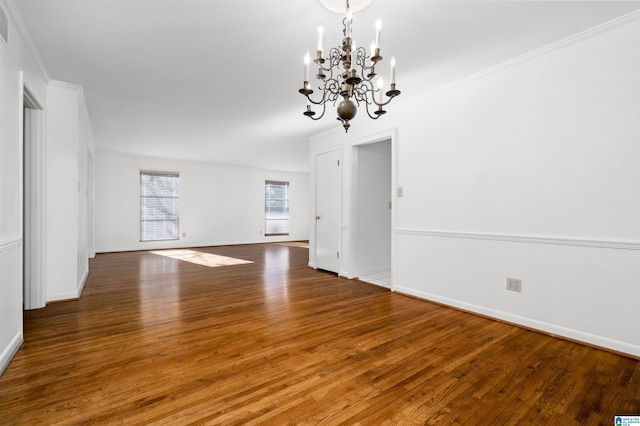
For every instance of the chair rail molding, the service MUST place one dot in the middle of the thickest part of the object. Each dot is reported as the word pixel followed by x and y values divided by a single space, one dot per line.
pixel 531 239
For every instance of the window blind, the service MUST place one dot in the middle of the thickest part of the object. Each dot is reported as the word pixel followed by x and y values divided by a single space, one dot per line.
pixel 159 209
pixel 276 208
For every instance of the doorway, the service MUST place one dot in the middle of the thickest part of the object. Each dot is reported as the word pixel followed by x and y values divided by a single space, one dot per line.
pixel 33 204
pixel 374 212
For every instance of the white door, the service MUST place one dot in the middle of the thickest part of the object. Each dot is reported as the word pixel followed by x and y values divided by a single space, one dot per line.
pixel 328 203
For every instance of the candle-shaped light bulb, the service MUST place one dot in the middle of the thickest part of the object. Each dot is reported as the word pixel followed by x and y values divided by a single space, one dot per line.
pixel 307 59
pixel 380 87
pixel 354 55
pixel 373 48
pixel 378 28
pixel 393 70
pixel 320 33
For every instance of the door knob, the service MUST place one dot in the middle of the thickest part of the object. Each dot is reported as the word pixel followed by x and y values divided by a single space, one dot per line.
pixel 317 217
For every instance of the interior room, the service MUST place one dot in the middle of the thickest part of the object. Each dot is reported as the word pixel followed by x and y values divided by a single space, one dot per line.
pixel 319 211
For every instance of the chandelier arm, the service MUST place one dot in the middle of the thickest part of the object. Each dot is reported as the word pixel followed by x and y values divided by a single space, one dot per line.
pixel 333 60
pixel 368 73
pixel 324 109
pixel 360 94
pixel 361 59
pixel 366 68
pixel 335 55
pixel 381 104
pixel 331 71
pixel 370 115
pixel 366 92
pixel 375 60
pixel 329 92
pixel 316 102
pixel 320 102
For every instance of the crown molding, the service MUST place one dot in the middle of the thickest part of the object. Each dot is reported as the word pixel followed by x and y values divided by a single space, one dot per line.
pixel 18 22
pixel 65 85
pixel 582 35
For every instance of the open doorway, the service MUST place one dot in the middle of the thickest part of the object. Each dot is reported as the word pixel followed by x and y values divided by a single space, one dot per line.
pixel 374 211
pixel 33 204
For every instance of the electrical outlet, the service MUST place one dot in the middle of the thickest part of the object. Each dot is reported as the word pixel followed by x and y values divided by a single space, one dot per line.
pixel 400 192
pixel 184 235
pixel 514 284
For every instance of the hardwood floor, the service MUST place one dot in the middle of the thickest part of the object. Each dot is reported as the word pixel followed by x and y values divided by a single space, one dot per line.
pixel 159 340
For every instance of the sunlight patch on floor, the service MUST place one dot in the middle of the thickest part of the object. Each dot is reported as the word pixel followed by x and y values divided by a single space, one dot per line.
pixel 200 258
pixel 303 244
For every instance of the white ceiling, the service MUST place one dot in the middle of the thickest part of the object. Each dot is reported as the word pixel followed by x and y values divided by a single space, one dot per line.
pixel 217 80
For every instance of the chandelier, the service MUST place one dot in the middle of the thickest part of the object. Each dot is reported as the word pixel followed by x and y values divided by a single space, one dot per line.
pixel 357 82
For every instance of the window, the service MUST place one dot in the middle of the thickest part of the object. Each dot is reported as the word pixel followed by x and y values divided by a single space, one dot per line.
pixel 159 213
pixel 276 208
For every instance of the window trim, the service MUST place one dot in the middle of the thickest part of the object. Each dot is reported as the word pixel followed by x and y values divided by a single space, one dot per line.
pixel 266 218
pixel 140 198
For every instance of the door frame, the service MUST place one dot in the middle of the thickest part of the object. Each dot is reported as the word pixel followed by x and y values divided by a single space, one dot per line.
pixel 392 135
pixel 33 202
pixel 358 186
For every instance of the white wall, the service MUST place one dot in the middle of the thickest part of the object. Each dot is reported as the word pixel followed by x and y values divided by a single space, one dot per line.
pixel 11 336
pixel 61 192
pixel 69 142
pixel 528 170
pixel 10 205
pixel 219 204
pixel 18 68
pixel 61 255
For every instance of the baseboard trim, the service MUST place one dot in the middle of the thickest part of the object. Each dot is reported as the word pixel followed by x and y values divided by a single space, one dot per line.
pixel 82 283
pixel 575 336
pixel 377 285
pixel 62 297
pixel 605 244
pixel 10 351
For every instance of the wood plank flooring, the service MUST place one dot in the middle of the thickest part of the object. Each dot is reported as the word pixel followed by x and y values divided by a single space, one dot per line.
pixel 163 341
